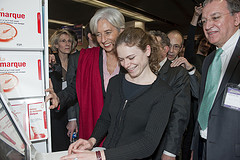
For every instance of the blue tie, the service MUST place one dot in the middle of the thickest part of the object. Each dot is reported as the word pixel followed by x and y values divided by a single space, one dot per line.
pixel 211 87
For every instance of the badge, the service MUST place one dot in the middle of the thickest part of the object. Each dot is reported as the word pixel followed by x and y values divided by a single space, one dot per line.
pixel 231 97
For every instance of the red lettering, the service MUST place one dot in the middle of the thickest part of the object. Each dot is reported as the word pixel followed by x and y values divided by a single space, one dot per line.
pixel 13 64
pixel 12 15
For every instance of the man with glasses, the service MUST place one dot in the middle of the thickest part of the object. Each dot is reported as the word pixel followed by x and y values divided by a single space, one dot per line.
pixel 178 79
pixel 176 44
pixel 216 134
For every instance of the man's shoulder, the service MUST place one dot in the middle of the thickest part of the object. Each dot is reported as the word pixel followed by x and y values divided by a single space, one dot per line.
pixel 175 70
pixel 173 75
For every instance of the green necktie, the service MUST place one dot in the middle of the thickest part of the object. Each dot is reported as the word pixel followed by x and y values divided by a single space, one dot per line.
pixel 211 86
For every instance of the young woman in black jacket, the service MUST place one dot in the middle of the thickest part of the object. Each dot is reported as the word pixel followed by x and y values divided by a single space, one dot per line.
pixel 137 106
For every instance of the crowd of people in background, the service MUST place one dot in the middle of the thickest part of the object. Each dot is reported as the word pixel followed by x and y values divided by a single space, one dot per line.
pixel 148 94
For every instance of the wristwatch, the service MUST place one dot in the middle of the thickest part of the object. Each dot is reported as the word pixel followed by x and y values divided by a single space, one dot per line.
pixel 191 69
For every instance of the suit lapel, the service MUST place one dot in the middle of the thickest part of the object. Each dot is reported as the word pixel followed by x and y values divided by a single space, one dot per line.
pixel 164 69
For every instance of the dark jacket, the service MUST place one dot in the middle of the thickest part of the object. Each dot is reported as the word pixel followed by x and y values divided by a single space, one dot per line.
pixel 134 127
pixel 58 119
pixel 73 111
pixel 223 140
pixel 178 79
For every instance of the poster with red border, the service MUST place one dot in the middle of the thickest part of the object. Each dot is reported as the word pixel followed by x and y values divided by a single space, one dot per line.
pixel 37 121
pixel 21 74
pixel 21 25
pixel 32 114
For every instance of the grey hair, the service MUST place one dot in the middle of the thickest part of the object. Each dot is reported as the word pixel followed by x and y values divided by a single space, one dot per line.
pixel 233 5
pixel 112 15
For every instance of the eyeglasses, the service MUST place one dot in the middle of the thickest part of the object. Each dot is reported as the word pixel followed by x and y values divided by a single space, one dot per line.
pixel 176 47
pixel 214 18
pixel 65 41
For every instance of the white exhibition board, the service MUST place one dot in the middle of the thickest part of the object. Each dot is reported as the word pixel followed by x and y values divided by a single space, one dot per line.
pixel 21 73
pixel 21 25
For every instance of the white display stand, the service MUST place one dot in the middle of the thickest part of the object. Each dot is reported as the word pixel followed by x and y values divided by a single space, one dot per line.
pixel 24 65
pixel 21 25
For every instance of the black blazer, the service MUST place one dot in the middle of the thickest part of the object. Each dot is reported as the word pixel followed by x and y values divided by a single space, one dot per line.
pixel 178 79
pixel 72 111
pixel 223 137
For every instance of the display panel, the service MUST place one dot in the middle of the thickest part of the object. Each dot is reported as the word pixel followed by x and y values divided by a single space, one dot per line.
pixel 21 73
pixel 21 25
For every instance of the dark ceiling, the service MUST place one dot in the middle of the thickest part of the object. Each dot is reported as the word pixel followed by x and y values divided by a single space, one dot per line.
pixel 168 14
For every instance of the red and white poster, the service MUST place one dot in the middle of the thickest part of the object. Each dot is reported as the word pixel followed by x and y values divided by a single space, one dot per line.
pixel 37 121
pixel 32 114
pixel 21 25
pixel 21 74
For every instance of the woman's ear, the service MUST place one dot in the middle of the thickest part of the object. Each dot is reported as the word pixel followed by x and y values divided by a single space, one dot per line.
pixel 148 50
pixel 90 36
pixel 121 30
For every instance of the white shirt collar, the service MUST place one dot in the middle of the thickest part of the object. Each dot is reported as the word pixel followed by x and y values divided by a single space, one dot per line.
pixel 162 62
pixel 231 43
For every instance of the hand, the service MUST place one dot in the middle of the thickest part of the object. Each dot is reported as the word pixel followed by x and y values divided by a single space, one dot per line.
pixel 52 59
pixel 71 126
pixel 81 144
pixel 198 10
pixel 197 13
pixel 81 155
pixel 191 156
pixel 52 96
pixel 165 157
pixel 183 62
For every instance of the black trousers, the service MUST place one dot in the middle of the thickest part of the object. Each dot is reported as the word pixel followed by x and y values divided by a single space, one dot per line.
pixel 202 149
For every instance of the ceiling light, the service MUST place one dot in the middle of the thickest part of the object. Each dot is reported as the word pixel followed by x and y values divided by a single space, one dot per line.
pixel 60 22
pixel 131 14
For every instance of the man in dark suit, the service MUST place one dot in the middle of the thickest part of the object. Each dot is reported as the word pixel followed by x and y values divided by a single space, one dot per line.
pixel 216 134
pixel 178 79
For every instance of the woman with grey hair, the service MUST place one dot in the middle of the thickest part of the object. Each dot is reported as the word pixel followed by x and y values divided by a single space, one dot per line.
pixel 111 15
pixel 95 67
